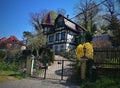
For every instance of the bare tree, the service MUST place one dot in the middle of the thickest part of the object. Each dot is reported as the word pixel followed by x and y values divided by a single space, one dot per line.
pixel 114 22
pixel 37 39
pixel 118 1
pixel 87 11
pixel 36 18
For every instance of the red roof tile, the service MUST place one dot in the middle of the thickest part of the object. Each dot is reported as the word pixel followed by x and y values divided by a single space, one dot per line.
pixel 3 39
pixel 12 38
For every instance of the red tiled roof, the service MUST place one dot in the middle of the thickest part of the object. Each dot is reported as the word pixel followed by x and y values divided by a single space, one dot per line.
pixel 12 38
pixel 3 39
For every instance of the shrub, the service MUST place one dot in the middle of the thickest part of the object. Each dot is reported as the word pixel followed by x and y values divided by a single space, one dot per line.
pixel 7 66
pixel 71 55
pixel 105 82
pixel 2 55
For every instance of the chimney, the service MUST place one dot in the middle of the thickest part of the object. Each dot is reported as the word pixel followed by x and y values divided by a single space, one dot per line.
pixel 68 16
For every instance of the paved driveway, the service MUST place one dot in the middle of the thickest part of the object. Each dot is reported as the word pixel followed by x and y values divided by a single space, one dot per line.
pixel 55 70
pixel 37 83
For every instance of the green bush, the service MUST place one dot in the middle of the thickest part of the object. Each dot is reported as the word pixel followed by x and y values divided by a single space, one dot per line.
pixel 7 66
pixel 71 55
pixel 105 82
pixel 2 55
pixel 51 55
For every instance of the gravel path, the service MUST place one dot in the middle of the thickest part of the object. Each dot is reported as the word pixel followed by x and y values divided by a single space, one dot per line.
pixel 37 83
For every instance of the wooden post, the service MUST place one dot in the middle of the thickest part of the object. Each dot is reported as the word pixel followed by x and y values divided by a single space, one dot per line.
pixel 62 69
pixel 30 63
pixel 83 68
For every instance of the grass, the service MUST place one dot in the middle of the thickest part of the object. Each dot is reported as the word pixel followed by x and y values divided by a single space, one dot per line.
pixel 6 78
pixel 11 76
pixel 104 82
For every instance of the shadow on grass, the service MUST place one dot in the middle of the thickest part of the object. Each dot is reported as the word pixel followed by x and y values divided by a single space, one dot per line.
pixel 19 75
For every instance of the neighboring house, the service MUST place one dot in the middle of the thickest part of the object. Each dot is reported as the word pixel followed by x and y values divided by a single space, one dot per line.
pixel 61 32
pixel 101 41
pixel 10 43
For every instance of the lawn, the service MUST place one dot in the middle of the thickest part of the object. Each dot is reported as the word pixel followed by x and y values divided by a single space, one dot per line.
pixel 10 76
pixel 104 82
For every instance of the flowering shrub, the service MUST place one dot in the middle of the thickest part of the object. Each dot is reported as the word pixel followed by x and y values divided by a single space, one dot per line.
pixel 88 53
pixel 79 51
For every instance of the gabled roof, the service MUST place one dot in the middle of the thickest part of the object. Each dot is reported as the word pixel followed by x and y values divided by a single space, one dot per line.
pixel 67 22
pixel 12 38
pixel 3 39
pixel 49 18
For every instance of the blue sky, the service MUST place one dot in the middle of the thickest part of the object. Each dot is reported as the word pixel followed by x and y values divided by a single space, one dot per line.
pixel 14 14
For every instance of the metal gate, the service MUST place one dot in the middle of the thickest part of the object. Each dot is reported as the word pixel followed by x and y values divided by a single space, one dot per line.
pixel 59 70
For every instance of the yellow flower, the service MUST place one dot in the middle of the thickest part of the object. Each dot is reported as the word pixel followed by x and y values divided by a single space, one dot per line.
pixel 89 50
pixel 88 53
pixel 79 51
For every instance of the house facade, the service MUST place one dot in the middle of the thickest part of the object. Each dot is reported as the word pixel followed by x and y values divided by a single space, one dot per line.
pixel 61 34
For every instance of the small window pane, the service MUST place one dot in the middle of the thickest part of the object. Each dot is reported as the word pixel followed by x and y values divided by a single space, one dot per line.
pixel 57 36
pixel 51 38
pixel 63 36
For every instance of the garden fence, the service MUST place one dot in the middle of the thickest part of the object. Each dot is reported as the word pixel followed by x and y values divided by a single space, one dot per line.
pixel 107 60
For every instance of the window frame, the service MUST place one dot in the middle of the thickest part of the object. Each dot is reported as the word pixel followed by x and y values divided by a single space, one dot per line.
pixel 63 33
pixel 57 38
pixel 51 38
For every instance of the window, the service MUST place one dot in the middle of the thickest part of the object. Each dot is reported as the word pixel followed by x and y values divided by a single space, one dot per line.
pixel 51 38
pixel 45 30
pixel 57 36
pixel 62 47
pixel 56 48
pixel 63 36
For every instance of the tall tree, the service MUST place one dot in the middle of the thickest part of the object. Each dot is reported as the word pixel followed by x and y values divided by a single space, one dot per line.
pixel 38 39
pixel 93 11
pixel 27 36
pixel 86 12
pixel 36 18
pixel 35 41
pixel 114 22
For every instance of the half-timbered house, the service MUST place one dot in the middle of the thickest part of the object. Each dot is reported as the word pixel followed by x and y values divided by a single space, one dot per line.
pixel 61 33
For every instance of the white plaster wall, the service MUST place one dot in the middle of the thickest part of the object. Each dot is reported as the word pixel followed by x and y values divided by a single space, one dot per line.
pixel 70 37
pixel 66 47
pixel 69 47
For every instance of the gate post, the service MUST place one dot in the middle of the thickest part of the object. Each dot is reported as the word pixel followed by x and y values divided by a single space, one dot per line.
pixel 45 73
pixel 83 69
pixel 30 63
pixel 62 69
